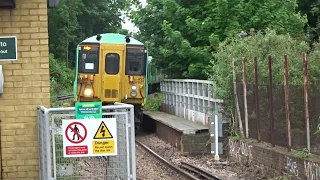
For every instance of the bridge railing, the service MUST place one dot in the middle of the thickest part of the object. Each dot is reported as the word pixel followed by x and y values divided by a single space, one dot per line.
pixel 190 99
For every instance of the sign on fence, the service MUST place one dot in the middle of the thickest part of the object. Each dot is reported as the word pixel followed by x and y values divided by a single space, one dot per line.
pixel 87 137
pixel 88 110
pixel 62 136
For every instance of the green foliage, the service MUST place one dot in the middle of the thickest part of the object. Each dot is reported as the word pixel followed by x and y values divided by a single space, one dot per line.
pixel 61 78
pixel 154 102
pixel 236 138
pixel 74 20
pixel 311 8
pixel 302 154
pixel 262 45
pixel 181 35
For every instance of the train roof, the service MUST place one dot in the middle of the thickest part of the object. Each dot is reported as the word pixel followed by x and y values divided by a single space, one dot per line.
pixel 112 38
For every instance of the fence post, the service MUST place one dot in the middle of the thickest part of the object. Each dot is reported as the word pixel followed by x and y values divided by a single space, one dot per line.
pixel 271 101
pixel 257 97
pixel 244 78
pixel 286 91
pixel 306 97
pixel 238 115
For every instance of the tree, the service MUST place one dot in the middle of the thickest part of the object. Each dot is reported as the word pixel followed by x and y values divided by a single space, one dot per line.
pixel 181 34
pixel 311 8
pixel 74 20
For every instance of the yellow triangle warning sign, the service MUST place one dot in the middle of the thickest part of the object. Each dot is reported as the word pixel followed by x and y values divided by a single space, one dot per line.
pixel 103 132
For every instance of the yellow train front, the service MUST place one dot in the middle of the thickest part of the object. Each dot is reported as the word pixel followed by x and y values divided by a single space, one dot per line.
pixel 112 68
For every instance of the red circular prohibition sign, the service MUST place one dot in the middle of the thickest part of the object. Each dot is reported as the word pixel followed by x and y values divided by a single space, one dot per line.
pixel 82 138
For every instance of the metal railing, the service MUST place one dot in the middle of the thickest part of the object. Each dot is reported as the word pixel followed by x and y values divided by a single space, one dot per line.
pixel 190 99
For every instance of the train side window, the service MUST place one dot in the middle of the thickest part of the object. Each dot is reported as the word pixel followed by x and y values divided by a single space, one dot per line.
pixel 112 63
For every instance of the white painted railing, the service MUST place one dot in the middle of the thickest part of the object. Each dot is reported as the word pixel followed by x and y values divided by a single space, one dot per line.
pixel 190 99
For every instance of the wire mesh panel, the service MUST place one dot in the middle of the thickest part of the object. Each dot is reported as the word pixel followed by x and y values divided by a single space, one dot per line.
pixel 117 165
pixel 121 166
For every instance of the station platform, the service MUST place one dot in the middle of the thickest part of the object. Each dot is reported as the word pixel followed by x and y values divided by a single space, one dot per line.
pixel 177 123
pixel 189 137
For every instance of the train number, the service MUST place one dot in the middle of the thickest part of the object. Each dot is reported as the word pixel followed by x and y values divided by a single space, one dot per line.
pixel 141 80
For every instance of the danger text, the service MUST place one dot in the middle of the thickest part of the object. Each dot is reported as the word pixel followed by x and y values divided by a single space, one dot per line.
pixel 101 147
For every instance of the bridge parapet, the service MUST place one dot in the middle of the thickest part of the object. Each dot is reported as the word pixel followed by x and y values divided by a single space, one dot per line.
pixel 190 99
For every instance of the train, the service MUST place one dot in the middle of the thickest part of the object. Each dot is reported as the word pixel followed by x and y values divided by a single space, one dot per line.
pixel 113 67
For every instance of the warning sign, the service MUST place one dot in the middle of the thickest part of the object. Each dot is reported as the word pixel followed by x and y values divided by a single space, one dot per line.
pixel 102 147
pixel 103 132
pixel 74 150
pixel 73 133
pixel 89 137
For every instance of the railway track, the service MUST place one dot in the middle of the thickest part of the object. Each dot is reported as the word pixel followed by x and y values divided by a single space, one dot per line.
pixel 64 97
pixel 185 167
pixel 202 174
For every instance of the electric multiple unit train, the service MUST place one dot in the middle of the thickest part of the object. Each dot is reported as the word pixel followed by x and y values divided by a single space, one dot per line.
pixel 112 68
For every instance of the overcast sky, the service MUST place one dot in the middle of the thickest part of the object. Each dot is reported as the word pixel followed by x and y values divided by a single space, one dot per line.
pixel 128 25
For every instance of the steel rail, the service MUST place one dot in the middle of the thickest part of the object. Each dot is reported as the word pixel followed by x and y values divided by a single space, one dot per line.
pixel 64 97
pixel 198 171
pixel 167 163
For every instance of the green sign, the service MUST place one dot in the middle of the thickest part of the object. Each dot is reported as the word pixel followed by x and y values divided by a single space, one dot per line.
pixel 88 110
pixel 8 48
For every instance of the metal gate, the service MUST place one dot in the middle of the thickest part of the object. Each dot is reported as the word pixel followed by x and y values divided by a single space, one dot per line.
pixel 52 164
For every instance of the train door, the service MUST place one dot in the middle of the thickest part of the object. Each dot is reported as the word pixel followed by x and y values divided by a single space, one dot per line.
pixel 112 58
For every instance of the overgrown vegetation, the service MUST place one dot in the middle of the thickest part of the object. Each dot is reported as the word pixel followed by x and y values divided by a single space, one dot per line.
pixel 61 79
pixel 261 45
pixel 154 102
pixel 304 153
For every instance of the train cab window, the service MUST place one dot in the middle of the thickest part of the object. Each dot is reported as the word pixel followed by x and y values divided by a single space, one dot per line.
pixel 88 59
pixel 112 63
pixel 135 62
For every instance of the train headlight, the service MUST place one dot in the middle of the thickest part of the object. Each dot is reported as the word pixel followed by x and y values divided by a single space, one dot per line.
pixel 88 92
pixel 133 91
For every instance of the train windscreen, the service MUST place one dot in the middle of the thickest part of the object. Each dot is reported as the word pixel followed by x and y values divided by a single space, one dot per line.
pixel 88 61
pixel 135 61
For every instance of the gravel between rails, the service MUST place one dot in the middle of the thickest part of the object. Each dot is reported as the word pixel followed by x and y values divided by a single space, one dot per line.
pixel 87 168
pixel 224 171
pixel 93 168
pixel 149 167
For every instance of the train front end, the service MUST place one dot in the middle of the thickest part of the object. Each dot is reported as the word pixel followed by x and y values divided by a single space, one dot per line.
pixel 112 68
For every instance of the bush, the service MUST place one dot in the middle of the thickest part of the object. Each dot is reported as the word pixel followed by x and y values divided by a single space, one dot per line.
pixel 261 46
pixel 154 102
pixel 61 78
